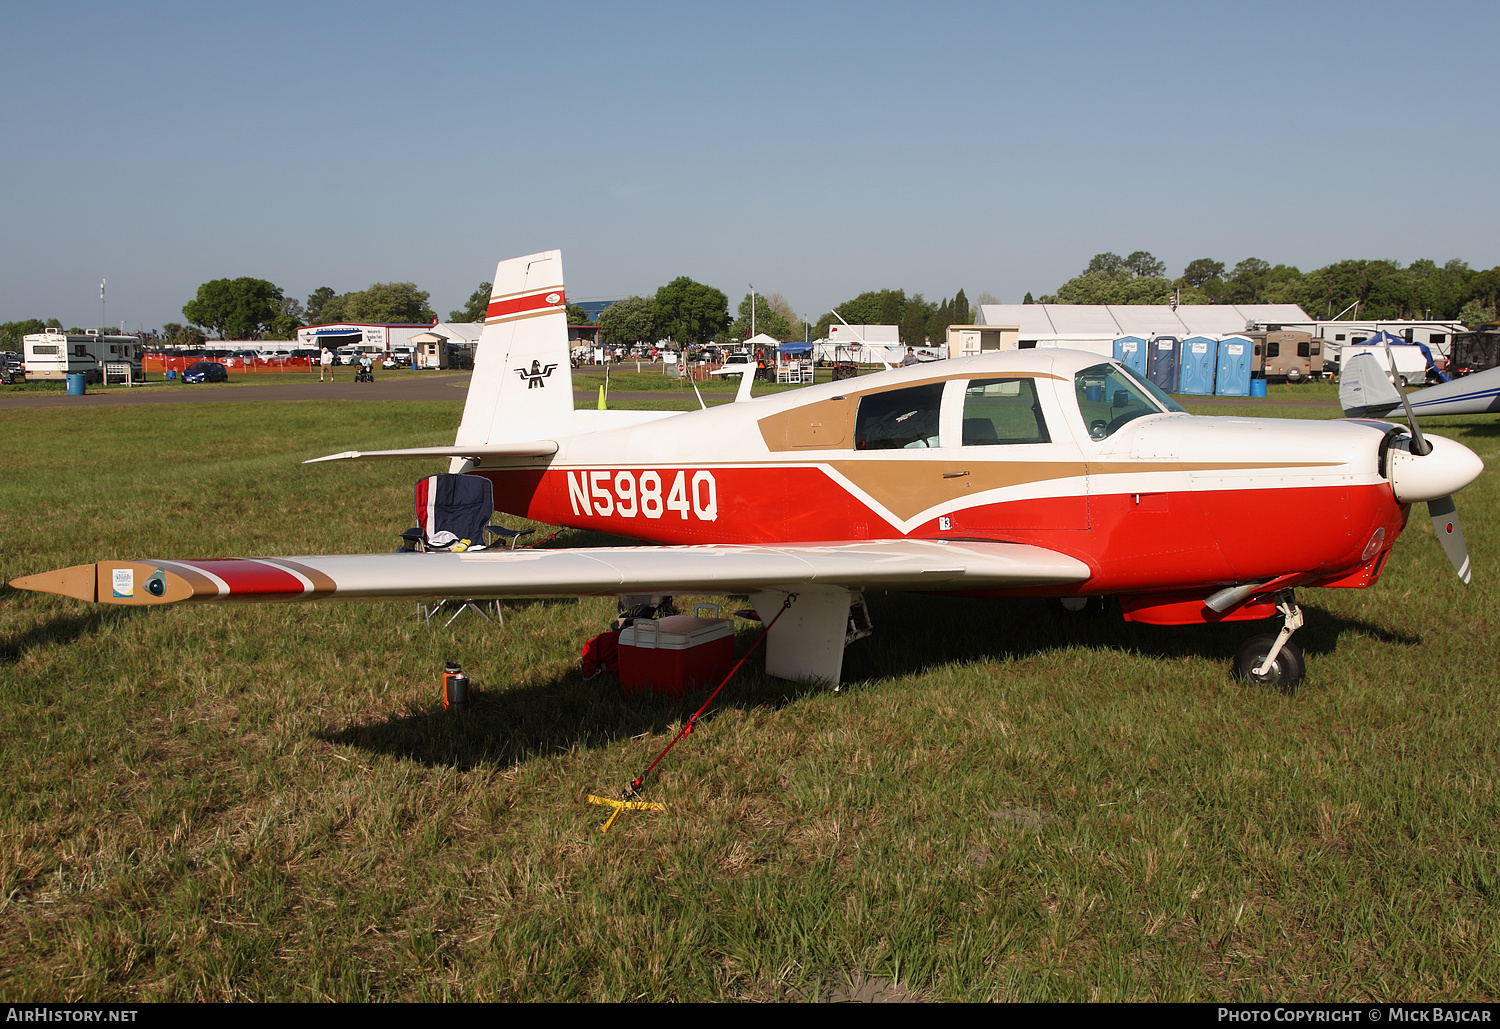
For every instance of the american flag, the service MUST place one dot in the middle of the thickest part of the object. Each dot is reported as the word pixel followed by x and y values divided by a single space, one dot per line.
pixel 1174 299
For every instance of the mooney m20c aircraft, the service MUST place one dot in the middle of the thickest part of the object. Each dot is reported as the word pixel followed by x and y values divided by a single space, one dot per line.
pixel 1032 473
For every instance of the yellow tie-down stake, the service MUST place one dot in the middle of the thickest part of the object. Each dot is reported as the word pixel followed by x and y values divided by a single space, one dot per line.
pixel 624 805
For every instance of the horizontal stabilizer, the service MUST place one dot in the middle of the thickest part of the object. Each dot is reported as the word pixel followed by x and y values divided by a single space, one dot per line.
pixel 478 452
pixel 603 571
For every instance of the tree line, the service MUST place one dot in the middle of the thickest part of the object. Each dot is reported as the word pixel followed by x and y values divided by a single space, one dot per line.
pixel 691 313
pixel 1382 289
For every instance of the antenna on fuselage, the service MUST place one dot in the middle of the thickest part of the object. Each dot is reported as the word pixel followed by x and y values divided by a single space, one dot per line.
pixel 862 342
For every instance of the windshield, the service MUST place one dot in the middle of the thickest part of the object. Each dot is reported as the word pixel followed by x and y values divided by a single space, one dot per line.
pixel 1110 395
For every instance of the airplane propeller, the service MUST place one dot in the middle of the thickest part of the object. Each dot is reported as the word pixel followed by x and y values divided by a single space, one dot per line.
pixel 1441 509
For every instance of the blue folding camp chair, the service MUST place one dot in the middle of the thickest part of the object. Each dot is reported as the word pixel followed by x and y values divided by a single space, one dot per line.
pixel 453 512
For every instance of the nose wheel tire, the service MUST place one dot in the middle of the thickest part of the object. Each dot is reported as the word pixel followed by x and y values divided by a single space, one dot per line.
pixel 1285 672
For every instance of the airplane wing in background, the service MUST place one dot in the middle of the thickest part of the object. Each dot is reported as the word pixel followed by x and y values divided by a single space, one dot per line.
pixel 605 571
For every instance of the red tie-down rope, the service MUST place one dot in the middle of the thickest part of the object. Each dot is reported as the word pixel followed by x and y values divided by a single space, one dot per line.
pixel 633 789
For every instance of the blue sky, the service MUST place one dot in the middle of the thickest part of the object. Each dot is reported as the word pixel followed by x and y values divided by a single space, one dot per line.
pixel 813 149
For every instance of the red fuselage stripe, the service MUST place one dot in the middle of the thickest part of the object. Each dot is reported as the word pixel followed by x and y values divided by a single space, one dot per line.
pixel 1164 541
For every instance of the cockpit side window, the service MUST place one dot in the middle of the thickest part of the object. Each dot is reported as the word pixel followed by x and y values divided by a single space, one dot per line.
pixel 998 412
pixel 899 419
pixel 1109 396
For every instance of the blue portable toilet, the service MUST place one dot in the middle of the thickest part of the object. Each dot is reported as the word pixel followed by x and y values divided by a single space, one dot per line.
pixel 1200 355
pixel 1162 362
pixel 1131 352
pixel 1235 355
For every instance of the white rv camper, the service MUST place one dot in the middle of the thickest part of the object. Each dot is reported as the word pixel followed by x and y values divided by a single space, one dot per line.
pixel 53 354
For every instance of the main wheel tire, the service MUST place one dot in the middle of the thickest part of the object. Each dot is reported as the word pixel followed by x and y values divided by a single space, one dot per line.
pixel 856 667
pixel 1283 675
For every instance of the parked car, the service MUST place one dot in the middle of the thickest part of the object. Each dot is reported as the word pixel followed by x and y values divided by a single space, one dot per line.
pixel 12 368
pixel 205 371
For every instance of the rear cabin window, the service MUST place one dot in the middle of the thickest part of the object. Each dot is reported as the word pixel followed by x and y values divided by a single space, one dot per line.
pixel 901 419
pixel 998 412
pixel 1273 349
pixel 46 351
pixel 1304 349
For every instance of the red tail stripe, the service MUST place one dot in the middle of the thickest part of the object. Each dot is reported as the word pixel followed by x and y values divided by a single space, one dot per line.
pixel 532 302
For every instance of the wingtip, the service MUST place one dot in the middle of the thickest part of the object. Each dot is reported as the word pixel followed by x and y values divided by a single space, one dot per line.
pixel 347 455
pixel 79 582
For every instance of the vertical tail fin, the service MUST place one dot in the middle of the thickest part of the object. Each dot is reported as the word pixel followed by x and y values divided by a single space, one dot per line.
pixel 522 387
pixel 1364 388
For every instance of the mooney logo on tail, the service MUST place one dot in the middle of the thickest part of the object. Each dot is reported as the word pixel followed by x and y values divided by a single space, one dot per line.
pixel 537 376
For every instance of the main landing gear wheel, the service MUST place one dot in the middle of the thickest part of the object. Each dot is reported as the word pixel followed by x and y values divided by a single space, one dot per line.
pixel 1285 672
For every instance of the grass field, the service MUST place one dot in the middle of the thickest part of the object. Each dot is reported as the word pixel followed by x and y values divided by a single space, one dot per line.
pixel 269 802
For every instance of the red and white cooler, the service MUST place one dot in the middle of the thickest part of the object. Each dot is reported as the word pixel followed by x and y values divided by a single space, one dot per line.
pixel 670 655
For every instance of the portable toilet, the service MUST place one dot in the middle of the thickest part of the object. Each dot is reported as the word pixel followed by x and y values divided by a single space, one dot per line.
pixel 1131 352
pixel 1235 356
pixel 1162 362
pixel 1199 356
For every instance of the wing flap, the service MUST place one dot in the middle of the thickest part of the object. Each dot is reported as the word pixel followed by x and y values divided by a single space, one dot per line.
pixel 603 571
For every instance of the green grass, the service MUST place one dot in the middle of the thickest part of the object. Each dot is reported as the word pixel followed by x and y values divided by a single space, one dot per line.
pixel 268 801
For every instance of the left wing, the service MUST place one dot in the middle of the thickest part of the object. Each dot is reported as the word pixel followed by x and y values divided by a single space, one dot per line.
pixel 604 571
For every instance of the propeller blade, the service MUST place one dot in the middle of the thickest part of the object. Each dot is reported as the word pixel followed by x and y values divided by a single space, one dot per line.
pixel 1450 534
pixel 1419 446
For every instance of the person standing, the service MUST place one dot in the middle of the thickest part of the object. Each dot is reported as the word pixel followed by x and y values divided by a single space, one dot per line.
pixel 325 364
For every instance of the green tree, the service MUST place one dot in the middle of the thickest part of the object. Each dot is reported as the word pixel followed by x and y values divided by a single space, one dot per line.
pixel 1143 266
pixel 1109 263
pixel 1111 288
pixel 962 315
pixel 235 308
pixel 877 307
pixel 396 302
pixel 1201 271
pixel 577 315
pixel 689 312
pixel 627 322
pixel 477 306
pixel 317 303
pixel 287 321
pixel 949 312
pixel 767 320
pixel 913 321
pixel 1484 292
pixel 11 333
pixel 179 335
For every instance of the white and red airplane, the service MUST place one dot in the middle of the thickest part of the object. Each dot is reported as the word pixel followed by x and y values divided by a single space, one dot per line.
pixel 1031 473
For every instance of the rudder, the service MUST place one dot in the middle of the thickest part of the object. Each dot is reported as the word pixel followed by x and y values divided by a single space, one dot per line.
pixel 522 388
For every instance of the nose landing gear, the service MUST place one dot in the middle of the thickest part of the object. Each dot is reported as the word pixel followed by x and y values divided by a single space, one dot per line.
pixel 1274 662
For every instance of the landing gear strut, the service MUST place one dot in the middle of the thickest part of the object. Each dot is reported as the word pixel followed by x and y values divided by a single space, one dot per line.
pixel 1274 662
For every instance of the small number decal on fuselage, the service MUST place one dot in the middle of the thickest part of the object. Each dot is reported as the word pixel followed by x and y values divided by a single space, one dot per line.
pixel 650 494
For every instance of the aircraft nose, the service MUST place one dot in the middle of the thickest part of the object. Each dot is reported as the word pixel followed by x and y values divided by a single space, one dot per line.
pixel 1450 467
